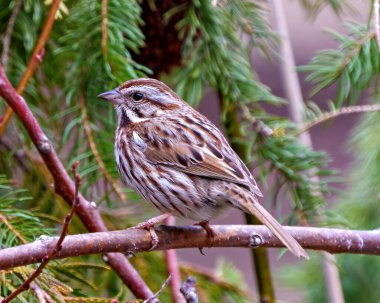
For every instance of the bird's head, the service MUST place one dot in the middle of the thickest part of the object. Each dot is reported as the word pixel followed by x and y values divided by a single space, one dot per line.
pixel 142 99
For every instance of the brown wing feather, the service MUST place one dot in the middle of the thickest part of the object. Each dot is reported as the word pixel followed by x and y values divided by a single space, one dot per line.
pixel 196 160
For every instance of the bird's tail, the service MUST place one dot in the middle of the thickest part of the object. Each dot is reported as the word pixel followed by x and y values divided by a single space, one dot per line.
pixel 266 218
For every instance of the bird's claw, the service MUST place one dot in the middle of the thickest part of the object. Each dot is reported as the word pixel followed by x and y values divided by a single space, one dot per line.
pixel 149 226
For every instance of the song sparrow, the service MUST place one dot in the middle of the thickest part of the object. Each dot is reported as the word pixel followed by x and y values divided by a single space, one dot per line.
pixel 179 161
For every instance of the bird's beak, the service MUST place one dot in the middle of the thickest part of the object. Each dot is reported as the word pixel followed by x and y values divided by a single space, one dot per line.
pixel 111 96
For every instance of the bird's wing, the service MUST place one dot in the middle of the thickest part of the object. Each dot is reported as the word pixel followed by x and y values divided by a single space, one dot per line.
pixel 199 159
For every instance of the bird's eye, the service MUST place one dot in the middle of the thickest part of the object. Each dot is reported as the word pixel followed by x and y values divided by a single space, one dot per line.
pixel 137 96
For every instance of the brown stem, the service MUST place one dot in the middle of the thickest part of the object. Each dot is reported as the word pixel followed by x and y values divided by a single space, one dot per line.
pixel 173 269
pixel 65 187
pixel 156 295
pixel 9 32
pixel 339 112
pixel 104 27
pixel 34 60
pixel 58 246
pixel 333 240
pixel 95 152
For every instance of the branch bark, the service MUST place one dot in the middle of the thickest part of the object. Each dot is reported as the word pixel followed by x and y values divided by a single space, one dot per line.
pixel 332 240
pixel 64 186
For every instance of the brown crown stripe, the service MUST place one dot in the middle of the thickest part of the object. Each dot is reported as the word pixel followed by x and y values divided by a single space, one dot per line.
pixel 151 82
pixel 146 81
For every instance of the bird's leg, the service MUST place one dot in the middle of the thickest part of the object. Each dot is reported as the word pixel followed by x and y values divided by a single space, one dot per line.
pixel 206 226
pixel 210 232
pixel 149 225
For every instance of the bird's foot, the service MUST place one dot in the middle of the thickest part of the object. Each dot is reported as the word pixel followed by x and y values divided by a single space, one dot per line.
pixel 210 233
pixel 149 225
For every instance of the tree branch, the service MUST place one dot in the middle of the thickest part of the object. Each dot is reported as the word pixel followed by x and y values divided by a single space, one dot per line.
pixel 156 295
pixel 332 240
pixel 65 187
pixel 338 112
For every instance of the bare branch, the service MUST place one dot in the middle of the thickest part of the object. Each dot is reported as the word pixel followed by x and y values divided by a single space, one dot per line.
pixel 58 246
pixel 339 112
pixel 155 296
pixel 65 187
pixel 332 240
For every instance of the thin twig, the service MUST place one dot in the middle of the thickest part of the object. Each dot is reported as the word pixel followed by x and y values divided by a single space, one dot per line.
pixel 155 296
pixel 65 187
pixel 95 152
pixel 34 60
pixel 258 125
pixel 338 112
pixel 104 27
pixel 58 246
pixel 9 32
pixel 333 240
pixel 173 269
pixel 376 21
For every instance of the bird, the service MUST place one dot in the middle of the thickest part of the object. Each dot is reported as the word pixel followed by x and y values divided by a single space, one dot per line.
pixel 179 161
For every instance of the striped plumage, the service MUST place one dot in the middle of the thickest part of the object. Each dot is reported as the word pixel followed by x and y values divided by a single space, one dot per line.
pixel 179 161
